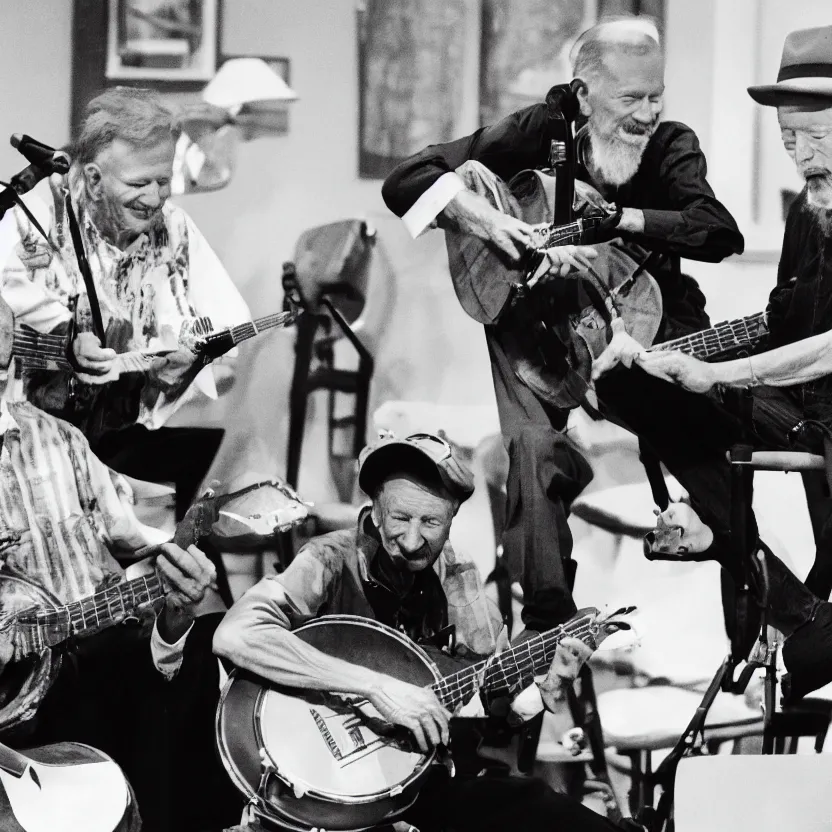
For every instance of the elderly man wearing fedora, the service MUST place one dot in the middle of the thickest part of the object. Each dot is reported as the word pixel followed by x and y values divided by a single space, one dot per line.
pixel 397 567
pixel 791 383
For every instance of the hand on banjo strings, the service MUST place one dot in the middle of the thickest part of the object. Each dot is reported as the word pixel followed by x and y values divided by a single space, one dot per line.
pixel 414 708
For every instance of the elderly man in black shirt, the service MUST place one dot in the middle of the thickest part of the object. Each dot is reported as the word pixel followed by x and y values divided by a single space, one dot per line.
pixel 790 384
pixel 655 172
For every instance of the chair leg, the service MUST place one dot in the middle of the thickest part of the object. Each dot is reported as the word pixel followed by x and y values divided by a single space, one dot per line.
pixel 307 326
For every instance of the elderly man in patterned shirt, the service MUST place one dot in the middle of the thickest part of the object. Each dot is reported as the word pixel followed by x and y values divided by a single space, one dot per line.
pixel 153 273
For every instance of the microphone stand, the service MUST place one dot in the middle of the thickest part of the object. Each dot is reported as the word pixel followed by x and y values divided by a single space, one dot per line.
pixel 22 183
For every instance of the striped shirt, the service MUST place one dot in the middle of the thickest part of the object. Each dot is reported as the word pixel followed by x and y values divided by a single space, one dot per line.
pixel 62 511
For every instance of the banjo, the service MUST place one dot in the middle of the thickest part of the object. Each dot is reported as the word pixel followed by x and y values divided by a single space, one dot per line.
pixel 36 628
pixel 312 760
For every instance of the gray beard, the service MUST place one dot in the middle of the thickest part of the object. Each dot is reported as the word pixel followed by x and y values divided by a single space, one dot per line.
pixel 614 160
pixel 821 216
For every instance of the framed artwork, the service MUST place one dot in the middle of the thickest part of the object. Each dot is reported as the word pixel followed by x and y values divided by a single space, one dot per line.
pixel 162 40
pixel 417 77
pixel 526 45
pixel 93 23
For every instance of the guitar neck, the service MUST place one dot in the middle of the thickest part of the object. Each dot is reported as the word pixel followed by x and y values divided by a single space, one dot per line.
pixel 515 668
pixel 242 332
pixel 722 338
pixel 38 629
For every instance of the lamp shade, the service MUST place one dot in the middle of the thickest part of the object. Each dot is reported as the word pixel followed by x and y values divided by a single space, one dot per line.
pixel 242 81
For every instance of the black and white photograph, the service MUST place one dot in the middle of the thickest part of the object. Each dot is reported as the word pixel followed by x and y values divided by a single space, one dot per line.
pixel 416 416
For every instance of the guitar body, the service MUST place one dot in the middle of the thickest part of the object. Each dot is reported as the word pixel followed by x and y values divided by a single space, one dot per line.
pixel 23 683
pixel 558 325
pixel 66 787
pixel 324 768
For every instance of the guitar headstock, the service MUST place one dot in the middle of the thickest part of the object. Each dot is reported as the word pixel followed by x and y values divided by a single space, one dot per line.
pixel 606 625
pixel 197 522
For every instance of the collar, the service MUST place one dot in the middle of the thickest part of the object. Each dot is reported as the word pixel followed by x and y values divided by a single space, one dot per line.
pixel 367 543
pixel 7 420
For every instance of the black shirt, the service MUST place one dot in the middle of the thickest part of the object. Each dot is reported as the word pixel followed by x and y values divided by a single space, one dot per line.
pixel 682 217
pixel 801 305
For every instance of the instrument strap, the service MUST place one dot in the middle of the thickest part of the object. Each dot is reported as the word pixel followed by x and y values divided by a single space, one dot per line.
pixel 86 272
pixel 80 253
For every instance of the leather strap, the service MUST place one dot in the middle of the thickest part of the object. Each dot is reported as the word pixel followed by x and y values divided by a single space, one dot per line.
pixel 86 272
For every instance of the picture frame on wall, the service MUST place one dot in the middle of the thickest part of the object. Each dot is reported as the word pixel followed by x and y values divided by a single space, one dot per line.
pixel 162 40
pixel 417 67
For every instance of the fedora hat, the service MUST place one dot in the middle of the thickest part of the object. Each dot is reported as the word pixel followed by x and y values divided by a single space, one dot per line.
pixel 805 70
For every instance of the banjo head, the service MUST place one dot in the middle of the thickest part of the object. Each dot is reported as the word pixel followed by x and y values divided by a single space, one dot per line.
pixel 24 683
pixel 329 767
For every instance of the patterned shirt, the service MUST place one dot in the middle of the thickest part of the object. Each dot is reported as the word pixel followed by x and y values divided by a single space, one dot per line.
pixel 166 278
pixel 63 513
pixel 333 574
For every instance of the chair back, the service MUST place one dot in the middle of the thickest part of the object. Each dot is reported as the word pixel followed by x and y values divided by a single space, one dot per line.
pixel 334 260
pixel 724 793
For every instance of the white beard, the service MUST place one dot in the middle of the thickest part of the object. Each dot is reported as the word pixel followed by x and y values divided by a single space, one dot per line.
pixel 616 161
pixel 820 211
pixel 819 193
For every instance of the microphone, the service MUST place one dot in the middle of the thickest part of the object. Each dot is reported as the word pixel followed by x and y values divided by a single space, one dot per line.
pixel 41 155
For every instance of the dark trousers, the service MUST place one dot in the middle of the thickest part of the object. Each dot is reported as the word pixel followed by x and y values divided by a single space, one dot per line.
pixel 179 455
pixel 160 732
pixel 691 434
pixel 495 803
pixel 546 473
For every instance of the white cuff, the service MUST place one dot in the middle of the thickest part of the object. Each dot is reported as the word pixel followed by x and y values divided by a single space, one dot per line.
pixel 167 658
pixel 432 202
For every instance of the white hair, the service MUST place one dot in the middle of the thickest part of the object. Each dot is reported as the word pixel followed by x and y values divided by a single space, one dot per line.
pixel 638 35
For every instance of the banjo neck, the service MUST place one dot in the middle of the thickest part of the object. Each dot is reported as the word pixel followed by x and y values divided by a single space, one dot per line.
pixel 514 668
pixel 37 629
pixel 739 333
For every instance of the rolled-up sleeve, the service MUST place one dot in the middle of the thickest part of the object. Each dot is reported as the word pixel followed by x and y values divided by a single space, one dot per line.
pixel 418 189
pixel 691 222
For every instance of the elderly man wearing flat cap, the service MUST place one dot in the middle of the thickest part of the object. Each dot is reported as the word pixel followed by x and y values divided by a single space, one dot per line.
pixel 397 567
pixel 791 384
